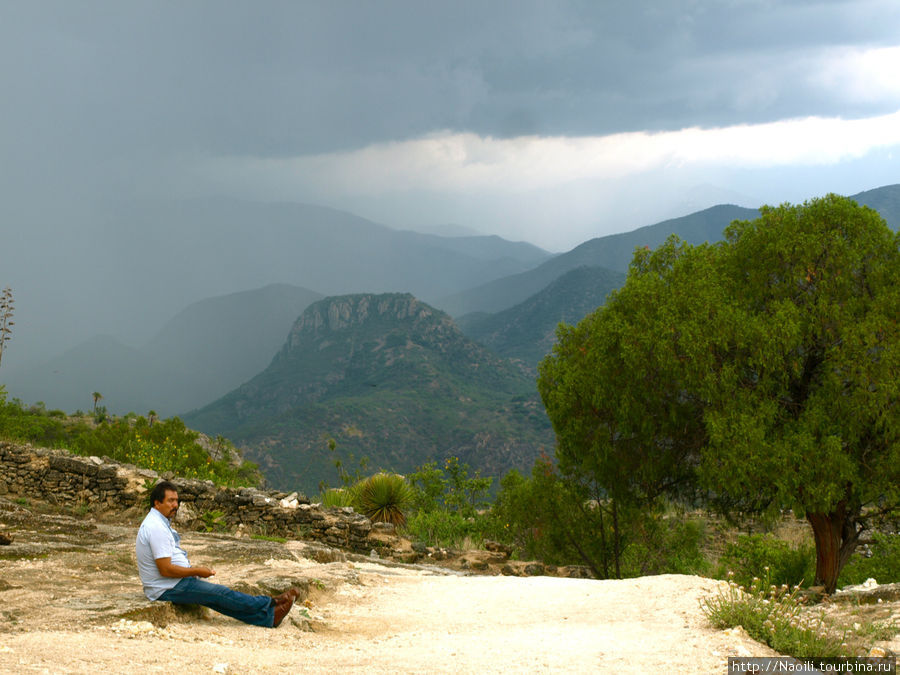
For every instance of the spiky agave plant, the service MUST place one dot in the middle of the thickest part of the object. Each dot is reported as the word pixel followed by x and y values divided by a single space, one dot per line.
pixel 383 498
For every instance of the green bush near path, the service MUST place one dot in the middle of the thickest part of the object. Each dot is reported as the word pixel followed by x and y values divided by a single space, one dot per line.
pixel 757 555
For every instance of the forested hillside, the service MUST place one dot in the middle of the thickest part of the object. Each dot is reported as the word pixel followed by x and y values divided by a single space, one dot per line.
pixel 527 331
pixel 388 378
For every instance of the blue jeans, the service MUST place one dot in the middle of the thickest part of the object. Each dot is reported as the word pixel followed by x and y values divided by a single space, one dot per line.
pixel 258 610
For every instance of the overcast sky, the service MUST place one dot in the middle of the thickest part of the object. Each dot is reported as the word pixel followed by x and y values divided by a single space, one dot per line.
pixel 551 122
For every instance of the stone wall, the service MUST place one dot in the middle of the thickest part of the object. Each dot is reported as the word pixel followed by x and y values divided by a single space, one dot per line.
pixel 61 478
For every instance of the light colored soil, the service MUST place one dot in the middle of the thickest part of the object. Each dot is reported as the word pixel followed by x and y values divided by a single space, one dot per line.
pixel 414 622
pixel 81 611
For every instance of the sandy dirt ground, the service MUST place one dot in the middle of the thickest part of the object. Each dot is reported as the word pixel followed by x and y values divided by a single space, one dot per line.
pixel 415 622
pixel 70 602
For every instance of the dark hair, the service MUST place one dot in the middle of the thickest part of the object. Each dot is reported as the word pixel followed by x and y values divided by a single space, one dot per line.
pixel 158 494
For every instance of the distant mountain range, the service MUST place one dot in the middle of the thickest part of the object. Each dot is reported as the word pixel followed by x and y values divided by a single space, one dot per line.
pixel 527 331
pixel 388 378
pixel 385 391
pixel 205 351
pixel 124 269
pixel 387 375
pixel 221 243
pixel 615 251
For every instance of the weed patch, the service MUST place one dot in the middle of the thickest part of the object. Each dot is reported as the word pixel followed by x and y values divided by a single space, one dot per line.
pixel 779 617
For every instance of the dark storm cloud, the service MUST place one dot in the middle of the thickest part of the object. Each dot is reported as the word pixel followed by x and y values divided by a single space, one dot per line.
pixel 282 78
pixel 506 116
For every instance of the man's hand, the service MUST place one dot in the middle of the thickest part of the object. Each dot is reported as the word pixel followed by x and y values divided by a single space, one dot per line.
pixel 167 569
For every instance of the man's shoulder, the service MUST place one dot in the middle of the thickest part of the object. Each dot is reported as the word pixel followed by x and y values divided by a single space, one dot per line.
pixel 152 523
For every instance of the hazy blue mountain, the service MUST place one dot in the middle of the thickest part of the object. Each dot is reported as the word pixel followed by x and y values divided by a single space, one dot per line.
pixel 203 352
pixel 142 258
pixel 68 381
pixel 216 344
pixel 527 331
pixel 122 268
pixel 448 230
pixel 389 378
pixel 885 200
pixel 212 247
pixel 615 251
pixel 488 248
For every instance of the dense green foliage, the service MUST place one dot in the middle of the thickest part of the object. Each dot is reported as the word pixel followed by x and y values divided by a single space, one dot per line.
pixel 552 519
pixel 164 446
pixel 450 507
pixel 450 488
pixel 757 555
pixel 882 562
pixel 547 519
pixel 763 370
pixel 444 507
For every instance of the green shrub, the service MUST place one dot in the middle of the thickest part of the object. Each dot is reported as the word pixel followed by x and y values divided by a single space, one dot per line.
pixel 464 493
pixel 428 486
pixel 449 488
pixel 450 507
pixel 337 498
pixel 756 555
pixel 163 446
pixel 383 498
pixel 440 527
pixel 543 519
pixel 32 425
pixel 883 565
pixel 664 545
pixel 213 521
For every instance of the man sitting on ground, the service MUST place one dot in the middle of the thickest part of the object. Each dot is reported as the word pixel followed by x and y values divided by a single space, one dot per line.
pixel 167 574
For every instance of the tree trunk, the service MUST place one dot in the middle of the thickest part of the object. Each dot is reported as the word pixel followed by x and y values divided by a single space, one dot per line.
pixel 616 542
pixel 603 547
pixel 836 537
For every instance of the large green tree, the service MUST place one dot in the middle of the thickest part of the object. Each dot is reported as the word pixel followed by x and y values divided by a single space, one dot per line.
pixel 762 371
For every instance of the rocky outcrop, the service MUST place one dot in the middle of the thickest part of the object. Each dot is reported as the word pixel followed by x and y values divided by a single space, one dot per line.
pixel 340 313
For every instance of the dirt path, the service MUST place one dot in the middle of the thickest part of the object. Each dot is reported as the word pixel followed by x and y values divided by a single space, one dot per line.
pixel 70 602
pixel 391 620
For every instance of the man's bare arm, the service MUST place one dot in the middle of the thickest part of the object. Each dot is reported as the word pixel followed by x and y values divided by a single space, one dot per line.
pixel 167 569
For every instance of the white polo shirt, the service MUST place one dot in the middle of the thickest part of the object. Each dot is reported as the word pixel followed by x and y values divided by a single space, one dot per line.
pixel 156 539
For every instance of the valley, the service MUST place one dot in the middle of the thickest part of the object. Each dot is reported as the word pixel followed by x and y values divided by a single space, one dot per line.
pixel 245 365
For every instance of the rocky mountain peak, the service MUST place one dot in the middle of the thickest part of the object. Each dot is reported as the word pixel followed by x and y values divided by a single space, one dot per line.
pixel 347 311
pixel 389 378
pixel 373 316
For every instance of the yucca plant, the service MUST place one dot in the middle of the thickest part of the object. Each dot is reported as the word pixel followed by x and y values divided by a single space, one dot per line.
pixel 383 498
